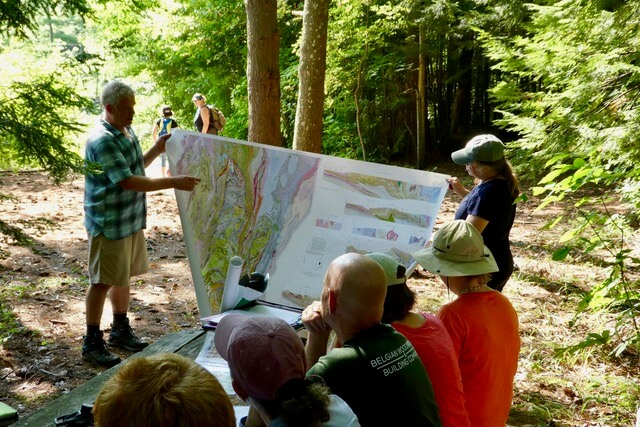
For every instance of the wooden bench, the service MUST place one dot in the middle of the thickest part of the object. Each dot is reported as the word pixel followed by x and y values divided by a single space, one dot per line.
pixel 187 343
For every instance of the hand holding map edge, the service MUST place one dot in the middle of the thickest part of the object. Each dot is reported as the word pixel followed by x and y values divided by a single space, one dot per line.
pixel 185 182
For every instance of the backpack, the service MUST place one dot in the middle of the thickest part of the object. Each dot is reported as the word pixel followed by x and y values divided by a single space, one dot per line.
pixel 216 117
pixel 165 125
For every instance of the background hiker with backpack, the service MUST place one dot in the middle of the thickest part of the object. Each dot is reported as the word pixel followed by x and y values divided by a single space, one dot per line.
pixel 163 126
pixel 208 119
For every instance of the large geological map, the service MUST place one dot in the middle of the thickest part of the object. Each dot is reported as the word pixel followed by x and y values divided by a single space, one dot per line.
pixel 288 213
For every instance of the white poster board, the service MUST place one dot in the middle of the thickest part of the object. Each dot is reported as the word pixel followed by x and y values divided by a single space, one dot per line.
pixel 289 213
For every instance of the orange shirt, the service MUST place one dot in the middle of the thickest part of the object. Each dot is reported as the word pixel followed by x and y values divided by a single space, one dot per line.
pixel 484 329
pixel 434 347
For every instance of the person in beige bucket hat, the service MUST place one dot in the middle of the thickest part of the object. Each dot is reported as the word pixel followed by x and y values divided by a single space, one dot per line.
pixel 482 323
pixel 457 250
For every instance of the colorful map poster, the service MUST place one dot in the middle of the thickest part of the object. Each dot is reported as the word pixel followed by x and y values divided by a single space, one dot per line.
pixel 289 213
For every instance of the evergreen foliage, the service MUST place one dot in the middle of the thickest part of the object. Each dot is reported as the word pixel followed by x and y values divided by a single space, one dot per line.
pixel 570 87
pixel 39 101
pixel 20 17
pixel 40 106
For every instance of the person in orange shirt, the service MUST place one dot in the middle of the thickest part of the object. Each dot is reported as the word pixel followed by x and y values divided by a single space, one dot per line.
pixel 482 323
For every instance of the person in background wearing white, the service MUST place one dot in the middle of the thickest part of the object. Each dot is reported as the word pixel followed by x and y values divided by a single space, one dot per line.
pixel 163 126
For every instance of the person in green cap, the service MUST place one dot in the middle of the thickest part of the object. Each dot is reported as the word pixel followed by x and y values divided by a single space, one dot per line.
pixel 489 206
pixel 482 323
pixel 430 339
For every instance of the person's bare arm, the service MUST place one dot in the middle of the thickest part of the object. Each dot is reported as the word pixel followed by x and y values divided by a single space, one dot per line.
pixel 156 149
pixel 154 131
pixel 145 183
pixel 204 114
pixel 319 333
pixel 457 187
pixel 478 222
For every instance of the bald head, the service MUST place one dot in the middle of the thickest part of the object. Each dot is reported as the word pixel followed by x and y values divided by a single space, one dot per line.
pixel 359 287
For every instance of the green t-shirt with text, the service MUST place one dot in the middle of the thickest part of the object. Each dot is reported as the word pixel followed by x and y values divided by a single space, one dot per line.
pixel 379 374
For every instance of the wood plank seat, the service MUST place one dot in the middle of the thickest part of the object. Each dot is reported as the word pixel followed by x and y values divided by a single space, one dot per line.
pixel 186 343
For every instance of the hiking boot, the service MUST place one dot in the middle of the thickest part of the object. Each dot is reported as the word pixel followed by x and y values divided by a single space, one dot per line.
pixel 94 349
pixel 122 336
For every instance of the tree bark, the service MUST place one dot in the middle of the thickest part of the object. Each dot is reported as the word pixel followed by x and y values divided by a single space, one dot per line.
pixel 461 110
pixel 263 72
pixel 307 133
pixel 421 105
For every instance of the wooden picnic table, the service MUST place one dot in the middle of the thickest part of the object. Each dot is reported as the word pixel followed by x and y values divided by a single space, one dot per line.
pixel 186 343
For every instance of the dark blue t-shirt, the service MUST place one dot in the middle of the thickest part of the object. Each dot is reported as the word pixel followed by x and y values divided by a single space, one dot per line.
pixel 492 201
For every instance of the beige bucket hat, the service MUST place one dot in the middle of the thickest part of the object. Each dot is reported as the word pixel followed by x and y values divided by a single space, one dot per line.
pixel 457 250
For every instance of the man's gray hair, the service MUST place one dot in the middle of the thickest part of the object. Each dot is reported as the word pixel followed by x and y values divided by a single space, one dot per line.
pixel 114 92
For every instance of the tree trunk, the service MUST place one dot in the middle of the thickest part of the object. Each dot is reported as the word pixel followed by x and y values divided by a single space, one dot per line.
pixel 461 110
pixel 263 72
pixel 421 105
pixel 307 133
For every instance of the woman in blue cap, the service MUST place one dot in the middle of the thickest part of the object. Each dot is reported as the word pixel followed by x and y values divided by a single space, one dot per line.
pixel 490 205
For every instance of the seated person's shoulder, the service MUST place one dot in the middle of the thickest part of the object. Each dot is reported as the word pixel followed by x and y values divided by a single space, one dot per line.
pixel 338 359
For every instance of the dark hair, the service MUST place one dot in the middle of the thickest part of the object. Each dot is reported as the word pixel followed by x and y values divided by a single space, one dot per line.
pixel 398 302
pixel 301 402
pixel 504 168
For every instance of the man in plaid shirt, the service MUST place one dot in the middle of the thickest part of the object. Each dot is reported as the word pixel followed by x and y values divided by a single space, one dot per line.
pixel 115 216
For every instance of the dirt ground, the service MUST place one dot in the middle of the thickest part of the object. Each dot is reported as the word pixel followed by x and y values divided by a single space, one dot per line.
pixel 45 287
pixel 41 359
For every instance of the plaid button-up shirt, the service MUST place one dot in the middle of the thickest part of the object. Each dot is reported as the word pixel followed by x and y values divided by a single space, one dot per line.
pixel 110 209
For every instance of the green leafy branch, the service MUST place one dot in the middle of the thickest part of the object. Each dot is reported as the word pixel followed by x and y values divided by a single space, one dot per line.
pixel 607 232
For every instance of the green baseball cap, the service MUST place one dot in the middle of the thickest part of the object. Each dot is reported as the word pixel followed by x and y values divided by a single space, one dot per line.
pixel 481 148
pixel 393 270
pixel 457 250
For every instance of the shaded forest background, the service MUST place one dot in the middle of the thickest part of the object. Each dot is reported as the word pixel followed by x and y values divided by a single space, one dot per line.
pixel 406 82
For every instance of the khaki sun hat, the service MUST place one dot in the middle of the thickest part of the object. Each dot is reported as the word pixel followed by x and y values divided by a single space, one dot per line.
pixel 457 250
pixel 481 148
pixel 393 270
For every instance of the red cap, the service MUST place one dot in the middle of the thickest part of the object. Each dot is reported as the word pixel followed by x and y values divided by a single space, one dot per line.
pixel 263 354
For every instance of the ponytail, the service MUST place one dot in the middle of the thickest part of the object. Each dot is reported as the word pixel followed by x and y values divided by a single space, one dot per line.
pixel 504 168
pixel 304 402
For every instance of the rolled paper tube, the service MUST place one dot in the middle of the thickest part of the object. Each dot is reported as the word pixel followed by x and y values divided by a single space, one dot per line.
pixel 231 295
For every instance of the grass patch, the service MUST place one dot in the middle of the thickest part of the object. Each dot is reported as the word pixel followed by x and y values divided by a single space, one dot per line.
pixel 9 323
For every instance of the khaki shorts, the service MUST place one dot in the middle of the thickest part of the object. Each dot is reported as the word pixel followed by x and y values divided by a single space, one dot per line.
pixel 114 262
